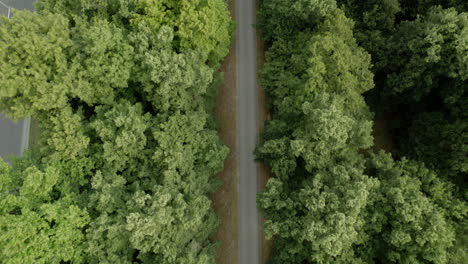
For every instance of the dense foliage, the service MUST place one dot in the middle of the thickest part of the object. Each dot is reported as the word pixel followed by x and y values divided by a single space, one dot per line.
pixel 125 164
pixel 421 77
pixel 331 198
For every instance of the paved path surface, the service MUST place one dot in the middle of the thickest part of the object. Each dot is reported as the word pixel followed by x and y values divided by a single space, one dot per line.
pixel 249 249
pixel 20 4
pixel 14 137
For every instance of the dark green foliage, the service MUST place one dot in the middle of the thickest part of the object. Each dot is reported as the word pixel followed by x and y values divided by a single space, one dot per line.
pixel 413 218
pixel 327 60
pixel 280 19
pixel 372 14
pixel 421 70
pixel 331 200
pixel 375 20
pixel 413 8
pixel 426 53
pixel 124 167
pixel 441 144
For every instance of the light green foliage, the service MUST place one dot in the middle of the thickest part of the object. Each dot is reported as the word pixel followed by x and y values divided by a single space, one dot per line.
pixel 103 9
pixel 63 135
pixel 124 167
pixel 46 63
pixel 327 135
pixel 160 69
pixel 168 228
pixel 105 61
pixel 187 152
pixel 327 60
pixel 321 217
pixel 38 227
pixel 201 25
pixel 121 132
pixel 280 19
pixel 36 74
pixel 159 205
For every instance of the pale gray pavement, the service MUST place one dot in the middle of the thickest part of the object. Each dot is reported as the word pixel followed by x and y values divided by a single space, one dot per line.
pixel 249 244
pixel 20 4
pixel 14 137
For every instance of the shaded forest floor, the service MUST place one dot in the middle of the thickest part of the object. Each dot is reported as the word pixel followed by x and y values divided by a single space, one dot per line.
pixel 383 138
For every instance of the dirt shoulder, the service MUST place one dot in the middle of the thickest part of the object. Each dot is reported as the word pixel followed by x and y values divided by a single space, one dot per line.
pixel 226 200
pixel 263 170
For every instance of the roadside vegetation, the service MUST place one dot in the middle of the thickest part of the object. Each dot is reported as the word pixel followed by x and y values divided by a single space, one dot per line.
pixel 331 68
pixel 124 167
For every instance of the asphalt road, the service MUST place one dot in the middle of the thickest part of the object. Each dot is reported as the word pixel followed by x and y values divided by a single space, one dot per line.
pixel 14 137
pixel 249 244
pixel 20 4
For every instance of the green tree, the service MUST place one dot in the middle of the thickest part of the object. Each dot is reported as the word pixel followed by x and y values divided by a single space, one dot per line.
pixel 317 219
pixel 201 25
pixel 120 134
pixel 327 60
pixel 327 135
pixel 282 19
pixel 125 164
pixel 47 63
pixel 63 136
pixel 413 8
pixel 414 215
pixel 36 72
pixel 332 201
pixel 104 61
pixel 440 143
pixel 170 81
pixel 39 223
pixel 157 202
pixel 428 52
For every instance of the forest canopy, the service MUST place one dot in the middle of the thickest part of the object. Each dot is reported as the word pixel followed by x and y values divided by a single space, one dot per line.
pixel 124 166
pixel 332 69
